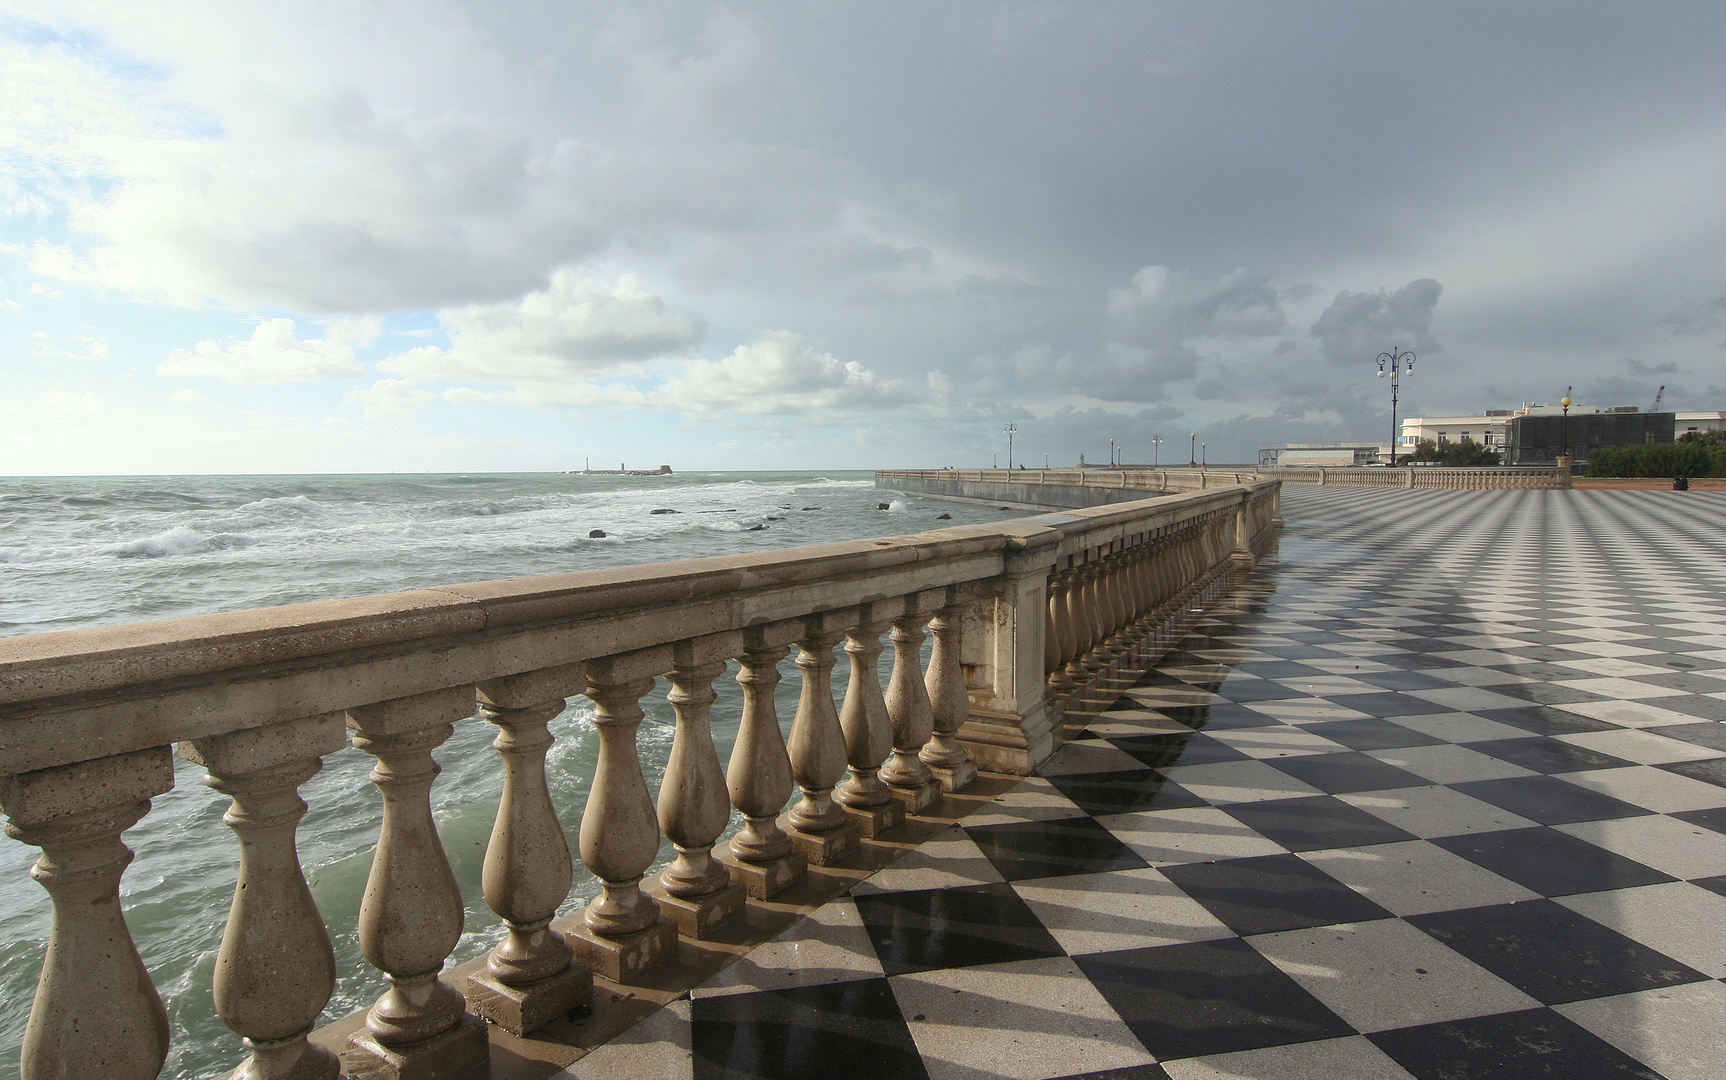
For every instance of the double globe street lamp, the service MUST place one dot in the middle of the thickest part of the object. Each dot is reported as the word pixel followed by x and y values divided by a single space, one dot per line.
pixel 1395 364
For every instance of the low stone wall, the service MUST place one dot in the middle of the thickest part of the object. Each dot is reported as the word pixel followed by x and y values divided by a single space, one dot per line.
pixel 1092 486
pixel 1016 493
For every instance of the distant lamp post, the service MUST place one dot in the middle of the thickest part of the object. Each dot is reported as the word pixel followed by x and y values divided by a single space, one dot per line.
pixel 1564 438
pixel 1202 461
pixel 1193 449
pixel 1010 430
pixel 1111 453
pixel 1157 449
pixel 1395 364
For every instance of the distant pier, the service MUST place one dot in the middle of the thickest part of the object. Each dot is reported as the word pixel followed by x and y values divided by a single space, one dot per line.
pixel 621 470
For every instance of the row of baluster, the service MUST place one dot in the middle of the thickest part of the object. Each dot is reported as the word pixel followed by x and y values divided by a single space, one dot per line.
pixel 97 1013
pixel 1100 607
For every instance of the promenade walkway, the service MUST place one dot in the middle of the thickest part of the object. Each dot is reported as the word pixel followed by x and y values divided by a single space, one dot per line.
pixel 1439 792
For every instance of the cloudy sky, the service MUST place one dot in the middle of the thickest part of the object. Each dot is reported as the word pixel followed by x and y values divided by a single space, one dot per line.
pixel 292 236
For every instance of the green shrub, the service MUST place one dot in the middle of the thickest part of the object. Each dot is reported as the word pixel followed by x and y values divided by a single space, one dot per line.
pixel 1656 459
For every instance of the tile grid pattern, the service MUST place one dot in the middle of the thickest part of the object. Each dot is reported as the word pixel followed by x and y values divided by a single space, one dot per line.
pixel 1438 792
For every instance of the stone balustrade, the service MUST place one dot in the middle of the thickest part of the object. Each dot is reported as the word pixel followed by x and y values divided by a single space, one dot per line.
pixel 1031 619
pixel 1096 484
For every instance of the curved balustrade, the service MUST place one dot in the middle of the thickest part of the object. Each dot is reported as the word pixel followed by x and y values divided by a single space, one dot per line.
pixel 1099 484
pixel 1030 620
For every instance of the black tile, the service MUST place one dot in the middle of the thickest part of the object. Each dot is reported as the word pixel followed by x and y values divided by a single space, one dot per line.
pixel 1342 773
pixel 1689 681
pixel 1708 733
pixel 1269 893
pixel 1400 680
pixel 1208 997
pixel 1541 671
pixel 1545 693
pixel 1547 755
pixel 1317 637
pixel 1551 953
pixel 1219 716
pixel 1705 708
pixel 1712 770
pixel 1544 653
pixel 1412 661
pixel 1063 846
pixel 1430 645
pixel 1162 751
pixel 1709 819
pixel 1154 678
pixel 945 928
pixel 1298 652
pixel 841 1029
pixel 1315 823
pixel 1124 791
pixel 1712 884
pixel 1543 720
pixel 1393 704
pixel 1549 799
pixel 1537 1044
pixel 1280 669
pixel 1239 690
pixel 1370 734
pixel 1550 862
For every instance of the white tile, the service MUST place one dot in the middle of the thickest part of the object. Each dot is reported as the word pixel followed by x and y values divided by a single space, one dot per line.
pixel 1308 710
pixel 1630 714
pixel 1118 722
pixel 1449 764
pixel 1461 727
pixel 1088 756
pixel 1035 799
pixel 1616 667
pixel 1327 685
pixel 831 945
pixel 1387 974
pixel 1667 844
pixel 659 1047
pixel 1684 921
pixel 949 860
pixel 1674 1030
pixel 1644 746
pixel 1280 741
pixel 1026 1020
pixel 1238 781
pixel 1415 877
pixel 1656 789
pixel 1353 1058
pixel 1623 689
pixel 1468 699
pixel 1187 835
pixel 1435 811
pixel 1120 909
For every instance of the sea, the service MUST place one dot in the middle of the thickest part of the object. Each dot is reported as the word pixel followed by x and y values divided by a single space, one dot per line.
pixel 79 552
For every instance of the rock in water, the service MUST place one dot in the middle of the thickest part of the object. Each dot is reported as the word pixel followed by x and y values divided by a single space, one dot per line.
pixel 665 511
pixel 883 506
pixel 755 528
pixel 943 517
pixel 596 534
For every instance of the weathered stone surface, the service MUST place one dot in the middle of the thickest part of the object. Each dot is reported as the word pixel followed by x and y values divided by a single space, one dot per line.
pixel 522 1009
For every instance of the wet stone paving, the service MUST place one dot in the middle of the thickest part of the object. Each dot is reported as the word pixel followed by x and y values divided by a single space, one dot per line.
pixel 1438 792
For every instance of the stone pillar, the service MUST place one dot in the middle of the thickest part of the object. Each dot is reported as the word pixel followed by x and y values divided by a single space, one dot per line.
pixel 818 826
pixel 411 914
pixel 1008 728
pixel 624 931
pixel 1242 556
pixel 1565 480
pixel 531 976
pixel 275 970
pixel 949 760
pixel 912 716
pixel 758 777
pixel 868 731
pixel 96 1015
pixel 696 891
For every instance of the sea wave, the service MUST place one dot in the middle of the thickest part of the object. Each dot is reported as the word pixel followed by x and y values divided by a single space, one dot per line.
pixel 178 541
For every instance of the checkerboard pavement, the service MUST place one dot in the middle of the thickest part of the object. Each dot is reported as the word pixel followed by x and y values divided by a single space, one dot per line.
pixel 1438 792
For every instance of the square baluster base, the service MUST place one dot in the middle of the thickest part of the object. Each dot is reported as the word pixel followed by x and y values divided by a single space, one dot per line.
pixel 918 799
pixel 763 881
pixel 824 847
pixel 620 958
pixel 878 819
pixel 521 1009
pixel 458 1051
pixel 956 778
pixel 700 916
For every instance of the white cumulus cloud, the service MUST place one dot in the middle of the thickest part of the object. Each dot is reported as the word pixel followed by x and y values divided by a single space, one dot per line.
pixel 393 401
pixel 777 372
pixel 272 355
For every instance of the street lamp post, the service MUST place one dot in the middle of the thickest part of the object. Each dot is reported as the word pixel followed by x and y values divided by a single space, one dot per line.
pixel 1193 449
pixel 1010 430
pixel 1564 438
pixel 1202 459
pixel 1111 453
pixel 1396 362
pixel 1157 449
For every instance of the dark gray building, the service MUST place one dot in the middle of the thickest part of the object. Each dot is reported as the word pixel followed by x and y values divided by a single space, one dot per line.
pixel 1538 440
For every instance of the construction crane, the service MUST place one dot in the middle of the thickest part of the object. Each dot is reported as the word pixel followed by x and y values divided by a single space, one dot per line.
pixel 1658 394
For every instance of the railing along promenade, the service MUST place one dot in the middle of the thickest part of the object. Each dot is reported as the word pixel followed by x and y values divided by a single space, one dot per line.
pixel 1135 478
pixel 1029 618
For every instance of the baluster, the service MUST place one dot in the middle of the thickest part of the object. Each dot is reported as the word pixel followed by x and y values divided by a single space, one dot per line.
pixel 950 762
pixel 624 931
pixel 868 731
pixel 905 773
pixel 818 826
pixel 696 891
pixel 1079 627
pixel 96 1015
pixel 275 970
pixel 411 914
pixel 760 856
pixel 531 977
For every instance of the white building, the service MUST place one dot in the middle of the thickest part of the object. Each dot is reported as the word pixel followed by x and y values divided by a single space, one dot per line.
pixel 1685 422
pixel 1492 430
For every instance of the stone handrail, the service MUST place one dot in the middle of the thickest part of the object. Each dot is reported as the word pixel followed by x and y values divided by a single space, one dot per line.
pixel 1030 618
pixel 1182 478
